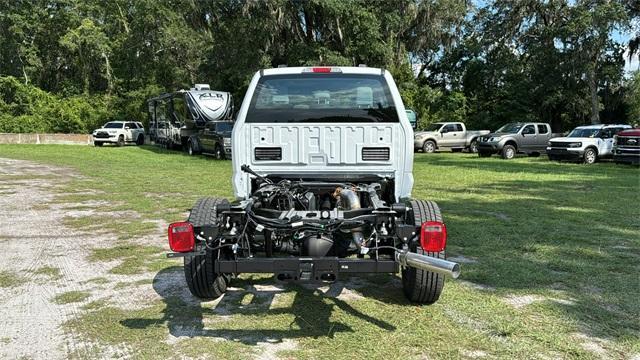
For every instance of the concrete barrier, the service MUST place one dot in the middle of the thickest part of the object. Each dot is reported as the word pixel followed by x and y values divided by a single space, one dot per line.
pixel 66 139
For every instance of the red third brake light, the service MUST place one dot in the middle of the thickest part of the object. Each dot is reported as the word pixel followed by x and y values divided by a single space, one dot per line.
pixel 433 236
pixel 321 69
pixel 181 238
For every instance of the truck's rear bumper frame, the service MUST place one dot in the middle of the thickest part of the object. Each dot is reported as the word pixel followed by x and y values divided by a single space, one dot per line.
pixel 306 268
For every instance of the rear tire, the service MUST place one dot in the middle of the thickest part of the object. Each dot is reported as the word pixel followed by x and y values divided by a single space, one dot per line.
pixel 120 142
pixel 199 271
pixel 508 152
pixel 473 147
pixel 140 140
pixel 420 286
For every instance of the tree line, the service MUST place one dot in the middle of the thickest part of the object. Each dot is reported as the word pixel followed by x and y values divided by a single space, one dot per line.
pixel 70 65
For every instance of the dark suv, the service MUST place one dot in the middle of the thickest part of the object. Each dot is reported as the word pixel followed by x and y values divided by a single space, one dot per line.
pixel 214 139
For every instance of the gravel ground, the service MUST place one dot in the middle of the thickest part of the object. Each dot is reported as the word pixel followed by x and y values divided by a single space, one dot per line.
pixel 33 237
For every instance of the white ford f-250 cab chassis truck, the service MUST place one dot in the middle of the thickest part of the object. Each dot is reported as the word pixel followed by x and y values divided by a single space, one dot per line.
pixel 322 175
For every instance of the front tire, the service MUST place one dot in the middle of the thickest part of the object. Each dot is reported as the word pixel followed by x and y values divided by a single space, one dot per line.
pixel 421 286
pixel 429 147
pixel 191 148
pixel 97 143
pixel 508 152
pixel 218 153
pixel 590 156
pixel 199 271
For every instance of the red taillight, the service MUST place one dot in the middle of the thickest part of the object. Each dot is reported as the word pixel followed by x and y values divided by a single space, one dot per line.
pixel 433 236
pixel 321 69
pixel 181 238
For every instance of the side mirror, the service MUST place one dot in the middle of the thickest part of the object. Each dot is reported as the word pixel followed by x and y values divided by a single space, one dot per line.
pixel 126 128
pixel 444 130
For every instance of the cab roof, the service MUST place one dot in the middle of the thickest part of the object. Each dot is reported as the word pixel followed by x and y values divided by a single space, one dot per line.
pixel 365 70
pixel 601 126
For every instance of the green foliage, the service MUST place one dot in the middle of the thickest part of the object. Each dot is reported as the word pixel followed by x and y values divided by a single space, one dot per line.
pixel 28 109
pixel 83 62
pixel 633 98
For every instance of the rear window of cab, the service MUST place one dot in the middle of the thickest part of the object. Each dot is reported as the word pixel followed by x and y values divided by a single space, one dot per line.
pixel 322 98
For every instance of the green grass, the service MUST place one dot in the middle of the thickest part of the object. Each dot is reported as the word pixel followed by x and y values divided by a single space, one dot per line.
pixel 565 235
pixel 134 258
pixel 9 279
pixel 52 272
pixel 71 297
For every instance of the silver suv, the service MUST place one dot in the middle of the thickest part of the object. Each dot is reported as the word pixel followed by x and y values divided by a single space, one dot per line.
pixel 322 175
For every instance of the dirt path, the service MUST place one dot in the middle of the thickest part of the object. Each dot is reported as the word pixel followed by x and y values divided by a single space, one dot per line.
pixel 34 244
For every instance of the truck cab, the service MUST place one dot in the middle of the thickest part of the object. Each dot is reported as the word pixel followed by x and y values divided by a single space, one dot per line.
pixel 339 123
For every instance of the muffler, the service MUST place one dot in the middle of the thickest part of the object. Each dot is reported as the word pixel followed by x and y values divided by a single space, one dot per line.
pixel 428 263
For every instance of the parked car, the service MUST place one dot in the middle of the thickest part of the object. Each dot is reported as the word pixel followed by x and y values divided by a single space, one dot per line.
pixel 626 147
pixel 514 138
pixel 214 139
pixel 322 174
pixel 585 143
pixel 447 135
pixel 119 133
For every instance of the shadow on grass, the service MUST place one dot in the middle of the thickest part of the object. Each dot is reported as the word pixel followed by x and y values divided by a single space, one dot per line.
pixel 577 238
pixel 157 149
pixel 258 320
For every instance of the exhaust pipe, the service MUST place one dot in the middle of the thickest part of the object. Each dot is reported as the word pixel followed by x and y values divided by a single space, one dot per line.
pixel 428 263
pixel 350 199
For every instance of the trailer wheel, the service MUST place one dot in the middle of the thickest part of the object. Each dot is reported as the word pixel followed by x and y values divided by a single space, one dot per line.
pixel 420 286
pixel 199 271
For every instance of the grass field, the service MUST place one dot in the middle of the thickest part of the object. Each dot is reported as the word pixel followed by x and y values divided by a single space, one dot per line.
pixel 550 259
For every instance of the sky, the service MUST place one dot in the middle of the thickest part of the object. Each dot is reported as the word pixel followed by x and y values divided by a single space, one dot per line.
pixel 623 38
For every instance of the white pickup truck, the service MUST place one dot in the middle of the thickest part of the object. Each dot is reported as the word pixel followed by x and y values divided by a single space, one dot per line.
pixel 447 135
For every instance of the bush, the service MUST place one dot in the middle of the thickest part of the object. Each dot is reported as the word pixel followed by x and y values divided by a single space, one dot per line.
pixel 25 108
